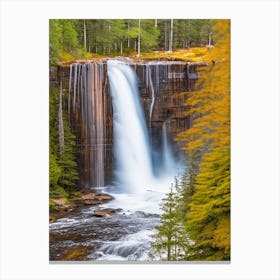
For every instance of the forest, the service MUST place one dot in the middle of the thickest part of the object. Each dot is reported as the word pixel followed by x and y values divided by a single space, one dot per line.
pixel 76 39
pixel 194 224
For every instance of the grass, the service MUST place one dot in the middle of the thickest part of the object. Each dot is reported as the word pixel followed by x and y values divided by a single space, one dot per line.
pixel 197 54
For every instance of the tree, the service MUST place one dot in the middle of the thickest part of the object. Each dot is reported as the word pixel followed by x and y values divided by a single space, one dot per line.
pixel 208 211
pixel 55 34
pixel 171 36
pixel 149 35
pixel 170 242
pixel 208 219
pixel 63 39
pixel 63 174
pixel 139 37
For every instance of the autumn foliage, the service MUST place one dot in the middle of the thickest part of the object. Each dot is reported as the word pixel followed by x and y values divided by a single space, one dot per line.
pixel 208 211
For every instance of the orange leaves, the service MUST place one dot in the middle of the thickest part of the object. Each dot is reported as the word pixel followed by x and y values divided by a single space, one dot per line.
pixel 208 218
pixel 210 105
pixel 222 234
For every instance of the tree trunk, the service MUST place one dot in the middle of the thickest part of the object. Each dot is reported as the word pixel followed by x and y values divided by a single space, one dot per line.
pixel 169 248
pixel 165 35
pixel 121 48
pixel 171 35
pixel 209 39
pixel 60 122
pixel 139 43
pixel 128 43
pixel 189 30
pixel 85 35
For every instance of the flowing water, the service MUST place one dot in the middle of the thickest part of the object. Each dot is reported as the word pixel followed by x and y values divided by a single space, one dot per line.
pixel 137 191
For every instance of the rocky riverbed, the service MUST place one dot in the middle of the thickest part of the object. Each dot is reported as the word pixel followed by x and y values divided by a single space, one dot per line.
pixel 107 231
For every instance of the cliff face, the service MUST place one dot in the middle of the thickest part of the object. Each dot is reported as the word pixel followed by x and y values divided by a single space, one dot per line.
pixel 88 103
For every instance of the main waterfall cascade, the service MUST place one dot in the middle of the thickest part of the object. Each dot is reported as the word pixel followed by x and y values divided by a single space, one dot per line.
pixel 132 146
pixel 95 93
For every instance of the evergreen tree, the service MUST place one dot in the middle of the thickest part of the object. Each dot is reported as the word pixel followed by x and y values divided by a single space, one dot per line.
pixel 63 174
pixel 170 242
pixel 149 35
pixel 208 220
pixel 63 39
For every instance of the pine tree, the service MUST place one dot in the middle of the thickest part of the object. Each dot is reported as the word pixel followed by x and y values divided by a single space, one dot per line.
pixel 208 219
pixel 170 241
pixel 63 174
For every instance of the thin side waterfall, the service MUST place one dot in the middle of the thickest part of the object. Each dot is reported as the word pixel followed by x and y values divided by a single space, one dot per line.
pixel 87 115
pixel 151 87
pixel 69 91
pixel 131 143
pixel 167 157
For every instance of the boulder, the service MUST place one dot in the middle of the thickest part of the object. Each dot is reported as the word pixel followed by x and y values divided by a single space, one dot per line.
pixel 75 254
pixel 103 197
pixel 89 199
pixel 59 201
pixel 94 198
pixel 104 212
pixel 62 206
pixel 51 219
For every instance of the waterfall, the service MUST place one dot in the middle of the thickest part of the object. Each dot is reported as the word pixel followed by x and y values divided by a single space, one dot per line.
pixel 132 146
pixel 131 143
pixel 168 161
pixel 88 113
pixel 149 85
pixel 69 90
pixel 94 118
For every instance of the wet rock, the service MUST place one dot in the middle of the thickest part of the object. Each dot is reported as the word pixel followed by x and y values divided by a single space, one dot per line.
pixel 51 219
pixel 141 214
pixel 104 197
pixel 105 212
pixel 62 206
pixel 75 254
pixel 89 199
pixel 94 198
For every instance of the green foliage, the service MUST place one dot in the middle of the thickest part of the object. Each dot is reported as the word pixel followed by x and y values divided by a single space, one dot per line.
pixel 67 160
pixel 63 174
pixel 63 38
pixel 55 35
pixel 51 205
pixel 114 36
pixel 55 171
pixel 191 32
pixel 170 242
pixel 208 219
pixel 149 35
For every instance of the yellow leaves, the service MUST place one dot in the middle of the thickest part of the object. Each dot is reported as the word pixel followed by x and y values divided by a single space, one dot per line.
pixel 222 235
pixel 208 218
pixel 210 108
pixel 210 204
pixel 196 54
pixel 64 56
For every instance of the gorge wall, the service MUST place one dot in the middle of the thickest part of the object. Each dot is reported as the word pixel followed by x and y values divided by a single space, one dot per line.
pixel 87 101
